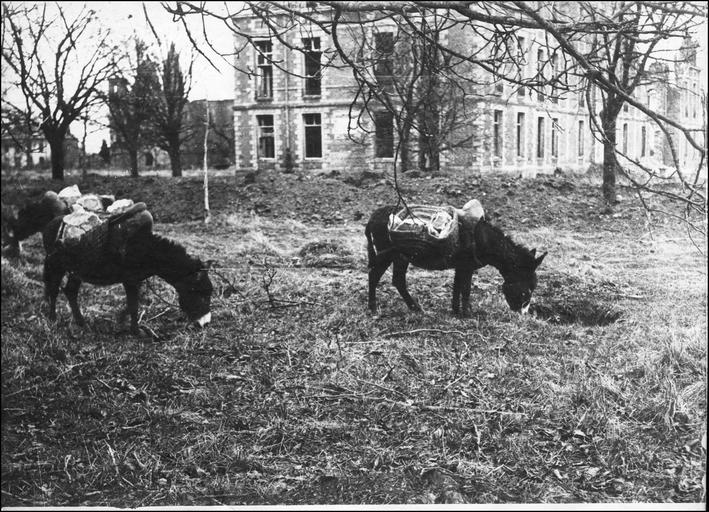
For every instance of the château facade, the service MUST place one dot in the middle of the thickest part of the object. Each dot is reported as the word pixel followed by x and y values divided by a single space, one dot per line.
pixel 297 106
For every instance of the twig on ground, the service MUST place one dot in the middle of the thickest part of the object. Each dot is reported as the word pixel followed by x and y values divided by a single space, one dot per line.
pixel 417 331
pixel 452 382
pixel 266 281
pixel 156 316
pixel 384 388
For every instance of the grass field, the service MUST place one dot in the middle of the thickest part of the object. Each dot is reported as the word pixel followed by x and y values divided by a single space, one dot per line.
pixel 296 394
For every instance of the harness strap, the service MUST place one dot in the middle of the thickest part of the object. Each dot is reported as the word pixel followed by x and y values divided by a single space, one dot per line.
pixel 476 260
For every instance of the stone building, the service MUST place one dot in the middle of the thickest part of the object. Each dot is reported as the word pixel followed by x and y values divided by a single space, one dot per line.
pixel 297 108
pixel 23 148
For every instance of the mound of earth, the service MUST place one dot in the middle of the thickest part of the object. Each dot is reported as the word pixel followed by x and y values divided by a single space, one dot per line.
pixel 326 254
pixel 571 202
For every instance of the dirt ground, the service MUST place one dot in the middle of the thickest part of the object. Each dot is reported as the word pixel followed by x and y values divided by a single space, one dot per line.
pixel 296 394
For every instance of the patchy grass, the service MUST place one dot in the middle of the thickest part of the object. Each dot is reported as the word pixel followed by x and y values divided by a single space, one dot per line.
pixel 296 394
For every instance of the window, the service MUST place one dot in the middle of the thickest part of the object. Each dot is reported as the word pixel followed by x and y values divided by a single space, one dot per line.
pixel 313 135
pixel 383 68
pixel 313 66
pixel 625 138
pixel 555 137
pixel 540 74
pixel 264 84
pixel 499 86
pixel 497 133
pixel 625 107
pixel 554 71
pixel 383 134
pixel 643 141
pixel 521 51
pixel 520 134
pixel 540 137
pixel 521 60
pixel 266 147
pixel 694 100
pixel 581 137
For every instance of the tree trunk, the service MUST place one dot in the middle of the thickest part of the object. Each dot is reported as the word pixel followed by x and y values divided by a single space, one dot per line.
pixel 429 153
pixel 133 156
pixel 404 147
pixel 56 145
pixel 175 161
pixel 207 215
pixel 28 153
pixel 610 162
pixel 82 156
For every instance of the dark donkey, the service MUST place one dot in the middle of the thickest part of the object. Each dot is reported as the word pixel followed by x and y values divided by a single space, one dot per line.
pixel 115 255
pixel 32 218
pixel 480 244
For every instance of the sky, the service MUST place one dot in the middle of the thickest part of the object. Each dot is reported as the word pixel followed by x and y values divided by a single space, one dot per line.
pixel 127 18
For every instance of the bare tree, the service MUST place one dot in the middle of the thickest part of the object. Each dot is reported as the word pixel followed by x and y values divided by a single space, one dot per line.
pixel 130 99
pixel 45 52
pixel 626 40
pixel 404 75
pixel 590 48
pixel 167 115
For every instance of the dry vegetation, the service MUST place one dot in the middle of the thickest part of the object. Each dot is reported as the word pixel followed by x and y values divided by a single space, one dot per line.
pixel 296 394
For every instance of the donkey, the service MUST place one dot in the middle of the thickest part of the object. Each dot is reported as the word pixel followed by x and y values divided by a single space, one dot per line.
pixel 114 256
pixel 32 218
pixel 480 244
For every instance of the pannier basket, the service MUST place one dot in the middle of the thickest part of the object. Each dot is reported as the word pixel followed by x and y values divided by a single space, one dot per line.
pixel 426 232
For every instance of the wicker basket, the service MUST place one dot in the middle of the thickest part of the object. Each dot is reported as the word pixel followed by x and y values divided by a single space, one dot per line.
pixel 427 233
pixel 106 241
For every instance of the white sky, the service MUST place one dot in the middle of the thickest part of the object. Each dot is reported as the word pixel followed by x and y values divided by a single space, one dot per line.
pixel 127 18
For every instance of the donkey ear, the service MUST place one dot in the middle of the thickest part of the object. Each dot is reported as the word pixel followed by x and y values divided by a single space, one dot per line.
pixel 539 260
pixel 534 252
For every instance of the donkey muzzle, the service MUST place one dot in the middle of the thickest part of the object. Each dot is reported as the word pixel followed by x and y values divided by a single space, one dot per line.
pixel 204 320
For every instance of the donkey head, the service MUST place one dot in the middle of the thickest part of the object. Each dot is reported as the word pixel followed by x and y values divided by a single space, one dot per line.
pixel 194 295
pixel 520 283
pixel 32 217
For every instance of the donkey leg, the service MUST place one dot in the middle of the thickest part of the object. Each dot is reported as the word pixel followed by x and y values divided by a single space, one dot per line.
pixel 399 281
pixel 71 290
pixel 466 283
pixel 132 305
pixel 53 274
pixel 377 267
pixel 457 290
